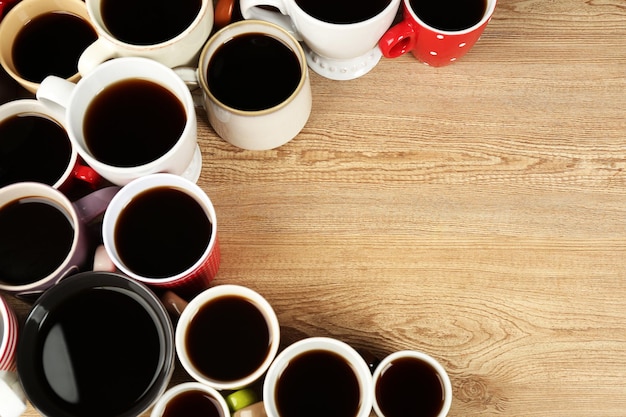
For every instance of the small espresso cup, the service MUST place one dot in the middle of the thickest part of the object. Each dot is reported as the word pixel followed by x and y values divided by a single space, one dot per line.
pixel 161 229
pixel 191 399
pixel 34 146
pixel 411 383
pixel 255 85
pixel 227 337
pixel 41 38
pixel 12 398
pixel 96 344
pixel 171 33
pixel 437 32
pixel 128 118
pixel 318 376
pixel 340 36
pixel 44 236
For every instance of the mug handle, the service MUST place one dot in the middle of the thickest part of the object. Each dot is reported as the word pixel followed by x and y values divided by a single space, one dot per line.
pixel 398 40
pixel 223 13
pixel 87 175
pixel 93 205
pixel 251 9
pixel 95 54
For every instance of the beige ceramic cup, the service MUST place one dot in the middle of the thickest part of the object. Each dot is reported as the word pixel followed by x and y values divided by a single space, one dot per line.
pixel 20 15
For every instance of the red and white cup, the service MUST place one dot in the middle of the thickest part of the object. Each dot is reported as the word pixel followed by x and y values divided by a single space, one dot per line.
pixel 187 283
pixel 432 46
pixel 12 397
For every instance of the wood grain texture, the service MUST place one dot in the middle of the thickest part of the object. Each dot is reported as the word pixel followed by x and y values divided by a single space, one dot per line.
pixel 476 212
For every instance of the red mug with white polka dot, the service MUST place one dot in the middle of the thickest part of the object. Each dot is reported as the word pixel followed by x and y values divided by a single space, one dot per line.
pixel 437 32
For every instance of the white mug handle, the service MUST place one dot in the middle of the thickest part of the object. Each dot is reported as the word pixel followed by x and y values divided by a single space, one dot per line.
pixel 12 397
pixel 55 93
pixel 95 54
pixel 250 10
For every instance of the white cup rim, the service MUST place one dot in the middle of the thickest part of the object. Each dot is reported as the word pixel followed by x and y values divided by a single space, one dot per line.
pixel 358 364
pixel 213 293
pixel 445 379
pixel 159 407
pixel 132 189
pixel 4 336
pixel 42 190
pixel 491 6
pixel 348 26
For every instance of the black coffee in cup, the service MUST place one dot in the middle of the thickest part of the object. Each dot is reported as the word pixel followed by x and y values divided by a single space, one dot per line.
pixel 162 232
pixel 409 386
pixel 133 122
pixel 343 11
pixel 450 15
pixel 318 383
pixel 50 44
pixel 33 148
pixel 228 338
pixel 148 22
pixel 193 403
pixel 253 71
pixel 96 344
pixel 36 237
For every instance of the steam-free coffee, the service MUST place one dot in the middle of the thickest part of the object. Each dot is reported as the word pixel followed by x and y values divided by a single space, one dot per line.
pixel 162 232
pixel 450 15
pixel 133 122
pixel 318 383
pixel 50 44
pixel 343 11
pixel 148 22
pixel 409 387
pixel 193 403
pixel 37 235
pixel 228 338
pixel 253 71
pixel 33 148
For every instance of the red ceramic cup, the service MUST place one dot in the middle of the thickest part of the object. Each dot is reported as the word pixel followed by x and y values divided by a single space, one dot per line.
pixel 433 46
pixel 165 251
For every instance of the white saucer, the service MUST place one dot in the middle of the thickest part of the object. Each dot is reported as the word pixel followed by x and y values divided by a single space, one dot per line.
pixel 192 173
pixel 342 69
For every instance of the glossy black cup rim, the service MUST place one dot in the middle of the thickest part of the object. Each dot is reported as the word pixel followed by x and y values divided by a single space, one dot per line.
pixel 28 343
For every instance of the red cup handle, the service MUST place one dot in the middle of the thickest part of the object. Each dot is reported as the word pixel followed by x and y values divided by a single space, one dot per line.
pixel 398 40
pixel 88 175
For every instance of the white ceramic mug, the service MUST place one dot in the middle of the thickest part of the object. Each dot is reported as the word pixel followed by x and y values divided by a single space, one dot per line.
pixel 339 51
pixel 61 174
pixel 201 270
pixel 182 49
pixel 336 355
pixel 409 382
pixel 78 213
pixel 208 400
pixel 259 129
pixel 183 158
pixel 23 14
pixel 230 339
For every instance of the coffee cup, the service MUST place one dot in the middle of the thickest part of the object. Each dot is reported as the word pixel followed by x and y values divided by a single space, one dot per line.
pixel 170 33
pixel 191 399
pixel 45 237
pixel 318 376
pixel 12 398
pixel 41 38
pixel 34 146
pixel 161 229
pixel 340 37
pixel 411 383
pixel 437 32
pixel 128 118
pixel 227 336
pixel 96 344
pixel 255 85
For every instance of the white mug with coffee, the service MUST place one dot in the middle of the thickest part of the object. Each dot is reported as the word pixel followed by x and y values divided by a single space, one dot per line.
pixel 128 118
pixel 171 33
pixel 322 371
pixel 340 36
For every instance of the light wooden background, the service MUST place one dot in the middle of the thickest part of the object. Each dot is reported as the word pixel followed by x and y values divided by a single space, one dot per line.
pixel 476 212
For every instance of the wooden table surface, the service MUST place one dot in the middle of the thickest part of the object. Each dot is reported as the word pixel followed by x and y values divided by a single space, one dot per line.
pixel 475 212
